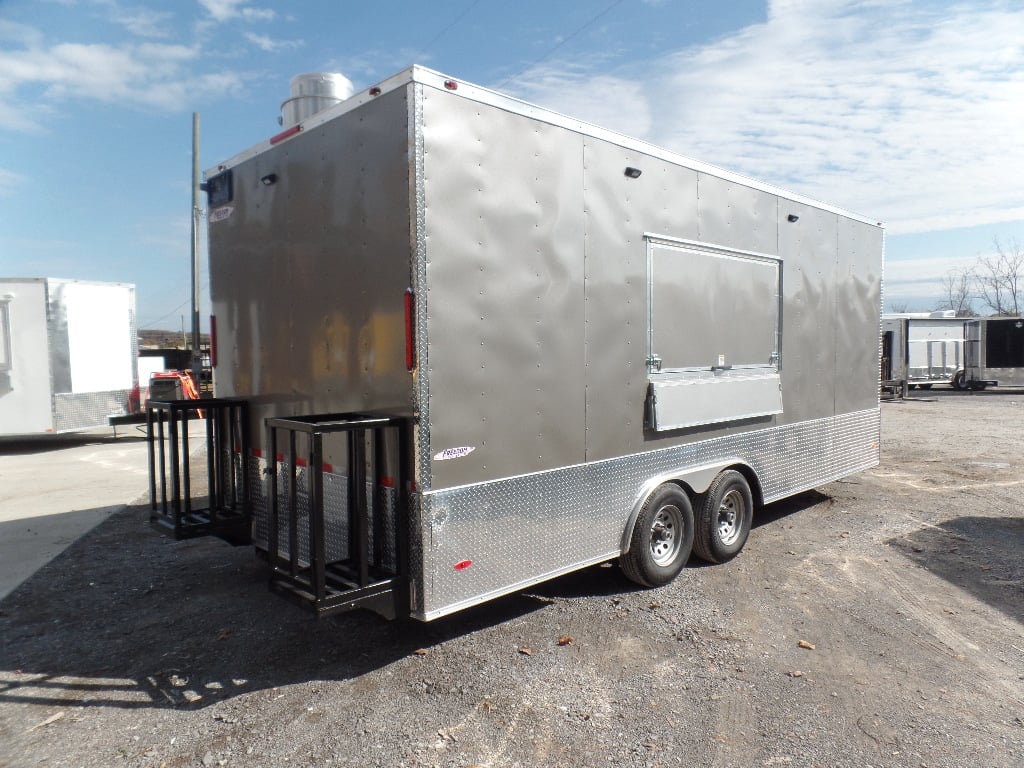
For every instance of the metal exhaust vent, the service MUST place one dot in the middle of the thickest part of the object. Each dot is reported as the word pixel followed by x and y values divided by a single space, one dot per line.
pixel 311 93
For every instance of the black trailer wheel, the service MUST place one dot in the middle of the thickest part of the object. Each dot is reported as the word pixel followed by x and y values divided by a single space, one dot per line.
pixel 662 538
pixel 724 517
pixel 960 381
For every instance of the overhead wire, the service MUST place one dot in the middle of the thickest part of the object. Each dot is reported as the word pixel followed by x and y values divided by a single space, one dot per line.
pixel 149 324
pixel 441 34
pixel 564 40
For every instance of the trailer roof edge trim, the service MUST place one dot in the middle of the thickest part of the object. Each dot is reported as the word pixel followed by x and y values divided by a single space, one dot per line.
pixel 479 93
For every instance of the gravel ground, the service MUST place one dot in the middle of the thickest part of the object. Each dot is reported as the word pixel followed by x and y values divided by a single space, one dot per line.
pixel 875 622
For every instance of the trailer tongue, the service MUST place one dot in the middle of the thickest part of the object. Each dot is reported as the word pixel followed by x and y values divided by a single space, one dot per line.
pixel 465 345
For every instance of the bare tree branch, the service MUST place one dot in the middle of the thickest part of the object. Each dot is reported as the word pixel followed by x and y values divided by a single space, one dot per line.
pixel 958 287
pixel 999 278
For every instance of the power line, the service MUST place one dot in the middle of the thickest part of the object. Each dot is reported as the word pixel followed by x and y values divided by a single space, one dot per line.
pixel 563 42
pixel 173 311
pixel 440 34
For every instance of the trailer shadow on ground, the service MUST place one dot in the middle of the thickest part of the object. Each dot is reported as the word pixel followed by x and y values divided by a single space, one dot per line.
pixel 772 513
pixel 980 555
pixel 943 391
pixel 130 619
pixel 29 446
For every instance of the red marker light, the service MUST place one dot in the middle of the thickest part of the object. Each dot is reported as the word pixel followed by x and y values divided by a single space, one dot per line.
pixel 410 341
pixel 286 134
pixel 213 341
pixel 375 91
pixel 461 566
pixel 451 85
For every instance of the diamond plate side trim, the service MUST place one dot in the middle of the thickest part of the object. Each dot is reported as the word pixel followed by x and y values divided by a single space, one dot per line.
pixel 522 530
pixel 421 388
pixel 82 410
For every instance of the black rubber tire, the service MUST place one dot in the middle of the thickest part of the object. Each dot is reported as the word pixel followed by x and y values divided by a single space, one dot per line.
pixel 662 538
pixel 723 518
pixel 960 381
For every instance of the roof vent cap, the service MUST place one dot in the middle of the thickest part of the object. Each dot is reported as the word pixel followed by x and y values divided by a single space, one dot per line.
pixel 313 92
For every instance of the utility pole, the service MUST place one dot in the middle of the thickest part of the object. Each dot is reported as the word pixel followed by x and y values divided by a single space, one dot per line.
pixel 197 359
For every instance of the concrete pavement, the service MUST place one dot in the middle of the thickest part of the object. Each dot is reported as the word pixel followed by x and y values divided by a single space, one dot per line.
pixel 55 489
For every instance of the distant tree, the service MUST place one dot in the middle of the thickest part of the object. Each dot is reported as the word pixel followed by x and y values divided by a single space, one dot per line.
pixel 999 278
pixel 898 307
pixel 958 288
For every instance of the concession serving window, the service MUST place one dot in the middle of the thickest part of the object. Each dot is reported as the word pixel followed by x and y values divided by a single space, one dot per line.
pixel 713 333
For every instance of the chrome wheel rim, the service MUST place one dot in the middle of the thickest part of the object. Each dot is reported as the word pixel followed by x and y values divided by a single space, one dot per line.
pixel 730 517
pixel 666 535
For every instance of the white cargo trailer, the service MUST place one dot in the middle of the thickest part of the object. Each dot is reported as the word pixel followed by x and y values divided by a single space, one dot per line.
pixel 995 352
pixel 928 348
pixel 68 353
pixel 464 344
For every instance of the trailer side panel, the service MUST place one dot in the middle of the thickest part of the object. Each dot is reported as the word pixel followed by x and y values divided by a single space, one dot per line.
pixel 504 234
pixel 312 263
pixel 859 304
pixel 25 403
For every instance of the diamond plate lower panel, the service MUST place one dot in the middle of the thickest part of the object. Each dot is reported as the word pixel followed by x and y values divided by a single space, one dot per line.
pixel 382 518
pixel 523 530
pixel 83 410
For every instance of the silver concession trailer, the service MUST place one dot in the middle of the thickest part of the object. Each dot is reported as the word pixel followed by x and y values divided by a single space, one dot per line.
pixel 994 352
pixel 68 351
pixel 464 344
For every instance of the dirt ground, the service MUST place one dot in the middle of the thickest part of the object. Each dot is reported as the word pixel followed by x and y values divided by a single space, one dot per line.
pixel 875 622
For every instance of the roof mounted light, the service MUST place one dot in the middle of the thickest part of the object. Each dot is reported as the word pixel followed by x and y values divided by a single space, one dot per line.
pixel 633 173
pixel 375 91
pixel 451 85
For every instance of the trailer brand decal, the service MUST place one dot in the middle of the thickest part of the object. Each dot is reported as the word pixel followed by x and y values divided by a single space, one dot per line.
pixel 219 214
pixel 454 453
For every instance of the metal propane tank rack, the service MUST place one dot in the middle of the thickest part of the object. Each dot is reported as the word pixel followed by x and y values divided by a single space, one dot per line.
pixel 363 563
pixel 228 511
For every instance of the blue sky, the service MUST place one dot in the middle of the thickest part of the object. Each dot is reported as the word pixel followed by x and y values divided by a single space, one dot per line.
pixel 907 111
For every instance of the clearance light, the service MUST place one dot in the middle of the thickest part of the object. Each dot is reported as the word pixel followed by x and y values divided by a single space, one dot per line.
pixel 410 348
pixel 375 91
pixel 451 85
pixel 213 341
pixel 461 566
pixel 286 134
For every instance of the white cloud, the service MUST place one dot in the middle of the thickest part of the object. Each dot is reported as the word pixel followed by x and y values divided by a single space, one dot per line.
pixel 225 10
pixel 9 182
pixel 21 34
pixel 908 111
pixel 258 14
pixel 268 44
pixel 221 10
pixel 144 22
pixel 152 75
